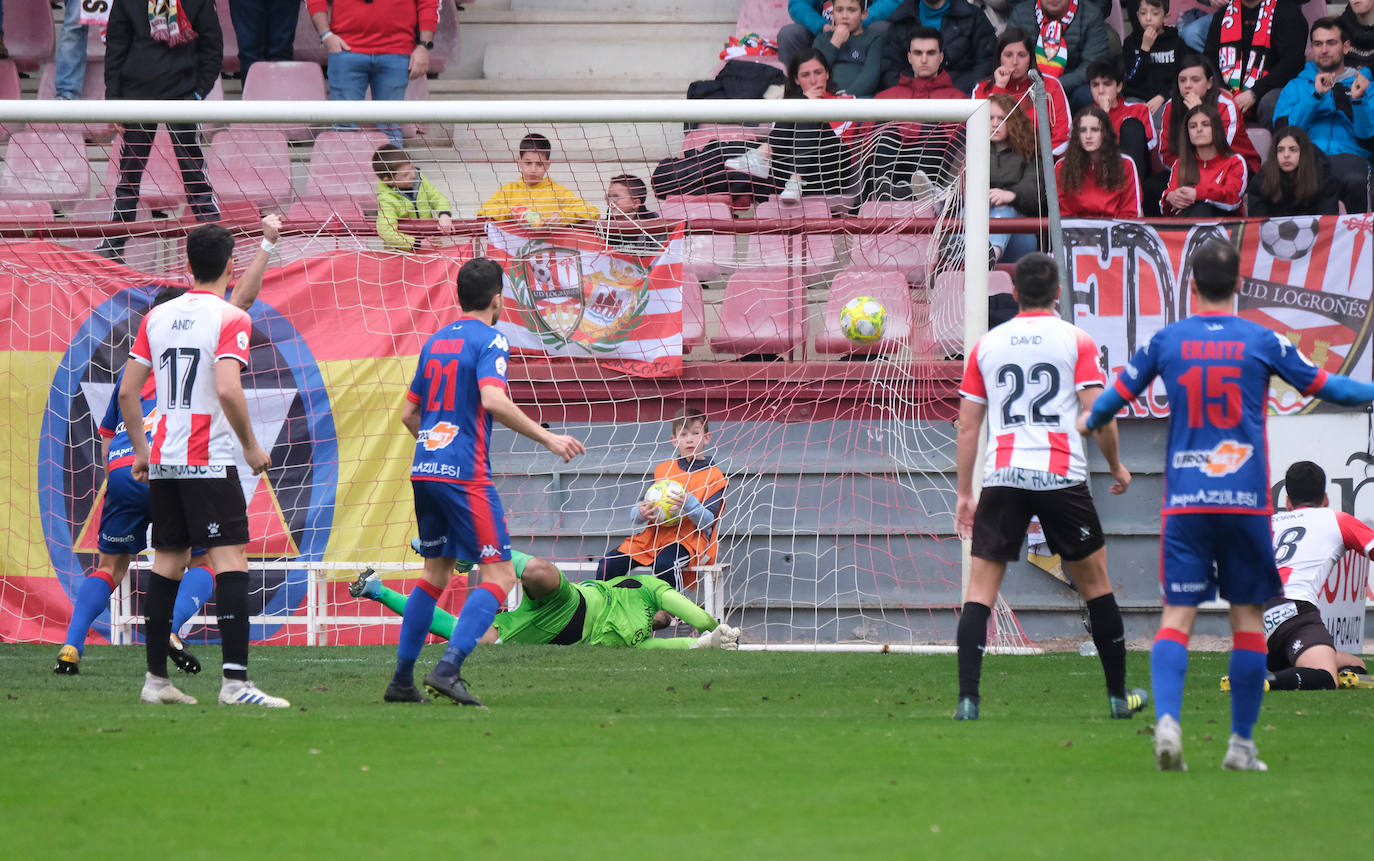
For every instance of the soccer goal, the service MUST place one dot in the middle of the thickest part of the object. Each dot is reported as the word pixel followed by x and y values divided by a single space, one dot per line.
pixel 691 255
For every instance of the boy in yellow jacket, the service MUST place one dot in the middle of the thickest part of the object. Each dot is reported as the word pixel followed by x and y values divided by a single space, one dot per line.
pixel 535 200
pixel 403 193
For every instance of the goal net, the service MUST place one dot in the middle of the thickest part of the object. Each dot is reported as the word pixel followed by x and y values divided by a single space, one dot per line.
pixel 659 256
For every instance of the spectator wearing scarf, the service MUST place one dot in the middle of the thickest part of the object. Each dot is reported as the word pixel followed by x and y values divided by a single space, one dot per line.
pixel 1258 46
pixel 1070 34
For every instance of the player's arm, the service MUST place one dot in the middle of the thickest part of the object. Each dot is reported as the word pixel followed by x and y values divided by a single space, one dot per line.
pixel 246 291
pixel 971 415
pixel 498 403
pixel 410 417
pixel 1355 534
pixel 1139 372
pixel 1107 440
pixel 1303 374
pixel 131 409
pixel 682 607
pixel 229 389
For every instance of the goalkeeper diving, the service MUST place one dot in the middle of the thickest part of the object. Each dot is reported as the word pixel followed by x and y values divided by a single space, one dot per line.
pixel 619 612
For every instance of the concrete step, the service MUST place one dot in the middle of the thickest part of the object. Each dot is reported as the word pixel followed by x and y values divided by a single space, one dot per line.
pixel 555 88
pixel 617 9
pixel 581 142
pixel 690 54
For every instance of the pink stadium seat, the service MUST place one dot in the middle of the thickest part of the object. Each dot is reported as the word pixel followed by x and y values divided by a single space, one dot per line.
pixel 764 311
pixel 1262 139
pixel 693 313
pixel 765 17
pixel 323 216
pixel 707 132
pixel 29 33
pixel 26 211
pixel 307 48
pixel 418 91
pixel 943 334
pixel 889 288
pixel 911 254
pixel 92 89
pixel 285 81
pixel 139 252
pixel 161 187
pixel 707 256
pixel 811 253
pixel 1114 20
pixel 251 165
pixel 9 89
pixel 341 167
pixel 49 166
pixel 230 65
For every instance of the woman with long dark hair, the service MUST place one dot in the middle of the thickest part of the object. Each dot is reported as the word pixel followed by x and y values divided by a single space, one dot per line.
pixel 1094 179
pixel 1209 177
pixel 1294 180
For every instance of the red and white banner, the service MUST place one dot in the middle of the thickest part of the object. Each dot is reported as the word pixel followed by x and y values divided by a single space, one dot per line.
pixel 569 293
pixel 1308 278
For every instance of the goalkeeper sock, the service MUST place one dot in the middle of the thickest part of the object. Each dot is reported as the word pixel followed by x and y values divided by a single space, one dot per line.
pixel 157 627
pixel 478 612
pixel 1168 670
pixel 417 614
pixel 196 587
pixel 231 605
pixel 440 626
pixel 1302 679
pixel 1248 662
pixel 972 637
pixel 1109 635
pixel 92 599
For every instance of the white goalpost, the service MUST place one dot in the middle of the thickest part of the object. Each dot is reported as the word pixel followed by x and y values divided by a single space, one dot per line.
pixel 837 530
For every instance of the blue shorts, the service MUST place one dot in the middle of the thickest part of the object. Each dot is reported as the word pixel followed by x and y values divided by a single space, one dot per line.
pixel 126 514
pixel 460 521
pixel 1201 552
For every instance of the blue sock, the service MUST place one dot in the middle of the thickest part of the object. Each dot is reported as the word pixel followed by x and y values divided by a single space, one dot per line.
pixel 478 612
pixel 415 622
pixel 92 599
pixel 1248 664
pixel 1168 670
pixel 195 589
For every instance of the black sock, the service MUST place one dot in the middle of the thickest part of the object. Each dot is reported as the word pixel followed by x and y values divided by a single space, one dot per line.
pixel 157 611
pixel 1302 679
pixel 1109 635
pixel 972 637
pixel 1356 669
pixel 231 605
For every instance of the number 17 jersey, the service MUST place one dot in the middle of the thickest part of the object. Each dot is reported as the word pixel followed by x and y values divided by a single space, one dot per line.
pixel 1029 371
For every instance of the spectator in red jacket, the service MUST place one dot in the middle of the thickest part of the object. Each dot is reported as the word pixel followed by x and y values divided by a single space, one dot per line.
pixel 902 159
pixel 1015 51
pixel 1209 178
pixel 1135 130
pixel 377 45
pixel 1094 179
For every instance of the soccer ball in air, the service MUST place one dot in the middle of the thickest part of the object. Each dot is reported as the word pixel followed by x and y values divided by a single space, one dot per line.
pixel 861 319
pixel 658 495
pixel 1288 238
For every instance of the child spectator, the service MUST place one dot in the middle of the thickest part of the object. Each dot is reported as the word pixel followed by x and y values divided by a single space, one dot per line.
pixel 854 54
pixel 1094 179
pixel 626 197
pixel 534 199
pixel 1135 129
pixel 1015 189
pixel 671 548
pixel 811 18
pixel 1294 180
pixel 1209 178
pixel 1015 51
pixel 1151 53
pixel 1358 19
pixel 403 193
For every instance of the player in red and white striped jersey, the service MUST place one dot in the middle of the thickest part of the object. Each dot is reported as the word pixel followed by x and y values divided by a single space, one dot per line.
pixel 197 346
pixel 1030 377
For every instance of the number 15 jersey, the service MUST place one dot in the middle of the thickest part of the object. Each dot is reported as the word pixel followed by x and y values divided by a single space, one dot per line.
pixel 1029 371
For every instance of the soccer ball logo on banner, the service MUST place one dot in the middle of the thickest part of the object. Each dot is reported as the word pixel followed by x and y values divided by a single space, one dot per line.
pixel 1289 238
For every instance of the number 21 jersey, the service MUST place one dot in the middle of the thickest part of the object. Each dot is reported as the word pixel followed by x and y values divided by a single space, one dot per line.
pixel 1029 371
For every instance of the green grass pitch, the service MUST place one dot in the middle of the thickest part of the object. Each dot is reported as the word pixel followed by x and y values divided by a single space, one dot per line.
pixel 603 753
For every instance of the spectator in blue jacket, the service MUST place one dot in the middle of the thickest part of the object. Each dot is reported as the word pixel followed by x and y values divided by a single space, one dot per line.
pixel 812 17
pixel 1330 101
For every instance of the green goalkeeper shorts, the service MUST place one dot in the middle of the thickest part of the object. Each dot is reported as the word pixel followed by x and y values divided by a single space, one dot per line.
pixel 557 618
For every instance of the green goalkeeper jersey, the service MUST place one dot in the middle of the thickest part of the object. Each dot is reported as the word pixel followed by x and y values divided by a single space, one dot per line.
pixel 620 612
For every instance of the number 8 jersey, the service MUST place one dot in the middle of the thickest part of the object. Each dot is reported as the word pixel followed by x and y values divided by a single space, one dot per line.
pixel 181 340
pixel 1029 371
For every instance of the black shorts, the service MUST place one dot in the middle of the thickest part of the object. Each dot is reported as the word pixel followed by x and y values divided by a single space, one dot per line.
pixel 201 512
pixel 1291 628
pixel 1068 516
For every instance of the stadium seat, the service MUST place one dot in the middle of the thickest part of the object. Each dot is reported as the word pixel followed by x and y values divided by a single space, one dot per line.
pixel 707 132
pixel 764 311
pixel 910 253
pixel 318 210
pixel 251 165
pixel 693 313
pixel 29 33
pixel 285 81
pixel 1262 140
pixel 230 65
pixel 943 334
pixel 49 166
pixel 326 219
pixel 812 253
pixel 707 256
pixel 764 17
pixel 140 252
pixel 161 187
pixel 889 288
pixel 9 89
pixel 341 167
pixel 418 91
pixel 1114 21
pixel 92 89
pixel 26 211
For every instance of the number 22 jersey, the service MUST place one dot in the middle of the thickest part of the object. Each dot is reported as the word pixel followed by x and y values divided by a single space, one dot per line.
pixel 1029 371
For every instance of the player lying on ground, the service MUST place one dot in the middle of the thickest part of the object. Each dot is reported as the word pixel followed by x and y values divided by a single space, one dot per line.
pixel 1309 540
pixel 124 517
pixel 1215 367
pixel 1037 367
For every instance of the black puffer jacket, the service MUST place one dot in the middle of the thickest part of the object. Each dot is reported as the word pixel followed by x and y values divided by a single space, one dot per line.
pixel 138 67
pixel 969 37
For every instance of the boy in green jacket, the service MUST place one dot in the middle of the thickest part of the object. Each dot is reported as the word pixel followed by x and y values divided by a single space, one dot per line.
pixel 403 193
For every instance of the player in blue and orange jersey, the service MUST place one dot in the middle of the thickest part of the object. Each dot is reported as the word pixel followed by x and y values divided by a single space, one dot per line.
pixel 124 517
pixel 459 386
pixel 670 549
pixel 1216 531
